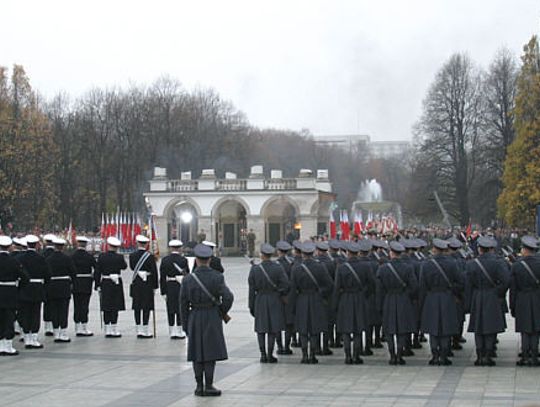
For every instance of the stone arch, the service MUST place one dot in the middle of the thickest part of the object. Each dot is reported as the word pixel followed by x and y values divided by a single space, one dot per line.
pixel 167 211
pixel 229 218
pixel 177 227
pixel 235 198
pixel 280 215
pixel 280 197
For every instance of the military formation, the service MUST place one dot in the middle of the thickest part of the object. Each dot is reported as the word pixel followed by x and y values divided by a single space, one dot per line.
pixel 356 295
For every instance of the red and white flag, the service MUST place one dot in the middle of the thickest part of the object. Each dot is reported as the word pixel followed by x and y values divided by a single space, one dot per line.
pixel 346 227
pixel 333 228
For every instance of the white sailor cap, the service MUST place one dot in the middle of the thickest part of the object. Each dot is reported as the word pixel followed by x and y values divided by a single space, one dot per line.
pixel 142 239
pixel 49 237
pixel 113 241
pixel 59 241
pixel 208 243
pixel 5 241
pixel 32 239
pixel 82 239
pixel 19 241
pixel 175 243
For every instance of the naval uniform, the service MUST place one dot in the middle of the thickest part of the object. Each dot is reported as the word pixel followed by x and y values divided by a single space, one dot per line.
pixel 266 297
pixel 62 272
pixel 172 270
pixel 47 251
pixel 486 319
pixel 108 280
pixel 11 273
pixel 395 302
pixel 353 286
pixel 32 295
pixel 82 284
pixel 525 306
pixel 439 280
pixel 143 284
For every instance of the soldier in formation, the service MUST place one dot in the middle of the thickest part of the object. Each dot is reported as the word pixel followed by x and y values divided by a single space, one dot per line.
pixel 205 301
pixel 172 270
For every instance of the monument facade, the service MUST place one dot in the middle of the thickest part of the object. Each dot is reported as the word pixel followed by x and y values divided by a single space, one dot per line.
pixel 227 209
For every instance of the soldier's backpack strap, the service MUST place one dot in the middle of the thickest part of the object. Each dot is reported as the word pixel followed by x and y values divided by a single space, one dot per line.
pixel 139 264
pixel 353 273
pixel 528 268
pixel 274 286
pixel 484 271
pixel 441 270
pixel 310 274
pixel 396 275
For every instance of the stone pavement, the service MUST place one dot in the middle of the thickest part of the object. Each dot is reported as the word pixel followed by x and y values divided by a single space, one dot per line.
pixel 130 372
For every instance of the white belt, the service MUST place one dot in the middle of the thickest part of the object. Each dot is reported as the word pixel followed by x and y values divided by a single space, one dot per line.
pixel 83 275
pixel 60 278
pixel 172 279
pixel 115 278
pixel 9 283
pixel 37 280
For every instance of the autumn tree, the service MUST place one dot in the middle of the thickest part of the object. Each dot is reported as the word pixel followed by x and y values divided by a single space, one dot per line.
pixel 521 178
pixel 449 130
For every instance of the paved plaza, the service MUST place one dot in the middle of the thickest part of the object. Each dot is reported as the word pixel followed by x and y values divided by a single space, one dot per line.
pixel 133 372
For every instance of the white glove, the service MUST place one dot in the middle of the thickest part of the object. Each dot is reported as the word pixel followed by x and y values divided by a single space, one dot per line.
pixel 115 278
pixel 164 297
pixel 179 279
pixel 143 275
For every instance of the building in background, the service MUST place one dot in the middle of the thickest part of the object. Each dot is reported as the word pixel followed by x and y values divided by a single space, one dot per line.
pixel 225 209
pixel 362 143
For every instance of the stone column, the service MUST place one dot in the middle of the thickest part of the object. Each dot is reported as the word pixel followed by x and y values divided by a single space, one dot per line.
pixel 256 223
pixel 309 226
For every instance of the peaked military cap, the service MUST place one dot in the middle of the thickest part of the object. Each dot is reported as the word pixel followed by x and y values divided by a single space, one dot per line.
pixel 283 245
pixel 297 244
pixel 440 244
pixel 202 251
pixel 308 247
pixel 322 246
pixel 353 247
pixel 365 245
pixel 142 239
pixel 19 241
pixel 267 249
pixel 82 239
pixel 113 241
pixel 530 242
pixel 485 242
pixel 380 244
pixel 334 244
pixel 397 247
pixel 408 243
pixel 208 243
pixel 454 243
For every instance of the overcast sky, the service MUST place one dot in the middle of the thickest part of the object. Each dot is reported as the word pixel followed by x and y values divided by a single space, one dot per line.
pixel 334 67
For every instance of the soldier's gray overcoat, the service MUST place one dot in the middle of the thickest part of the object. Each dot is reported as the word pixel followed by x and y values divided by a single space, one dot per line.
pixel 265 300
pixel 395 300
pixel 310 301
pixel 351 296
pixel 525 295
pixel 201 319
pixel 439 310
pixel 487 316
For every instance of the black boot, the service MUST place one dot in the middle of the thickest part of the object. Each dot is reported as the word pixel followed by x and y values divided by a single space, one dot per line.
pixel 479 358
pixel 199 390
pixel 434 361
pixel 399 358
pixel 348 359
pixel 393 359
pixel 305 358
pixel 416 342
pixel 211 391
pixel 264 358
pixel 455 343
pixel 312 359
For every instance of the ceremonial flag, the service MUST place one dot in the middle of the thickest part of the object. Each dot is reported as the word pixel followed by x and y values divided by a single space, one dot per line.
pixel 369 224
pixel 346 232
pixel 357 223
pixel 468 232
pixel 333 229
